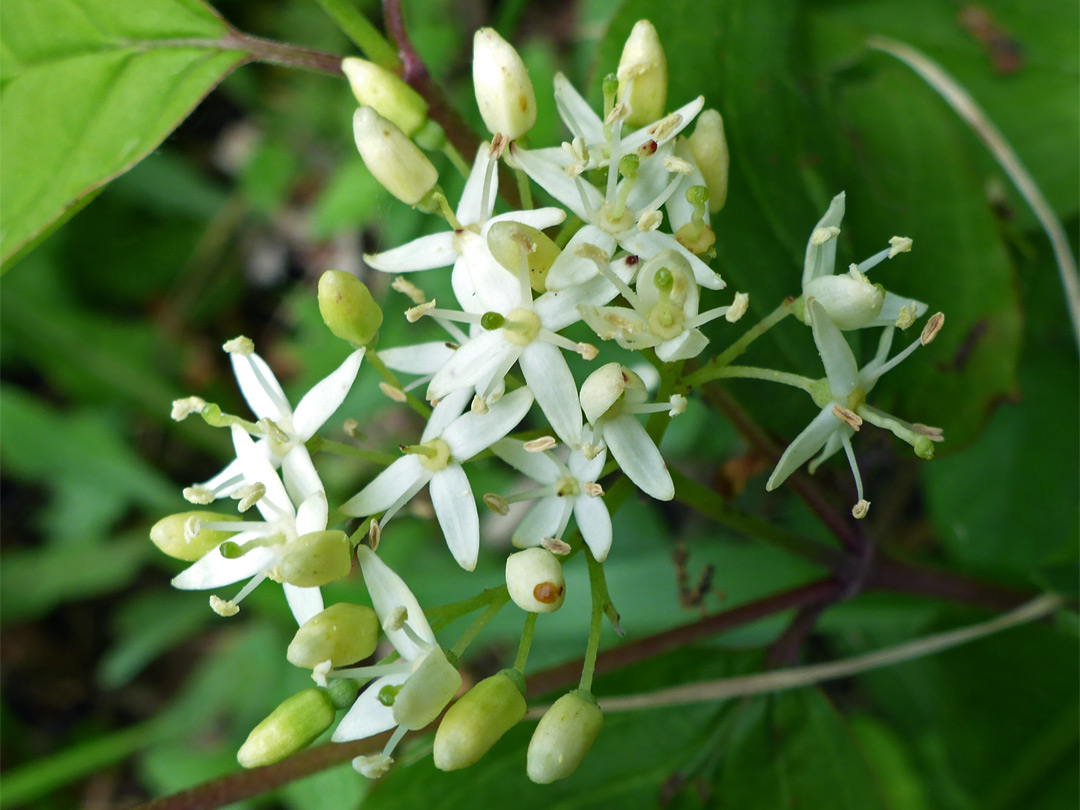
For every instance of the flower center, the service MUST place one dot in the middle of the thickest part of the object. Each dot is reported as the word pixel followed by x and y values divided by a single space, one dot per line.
pixel 521 327
pixel 434 455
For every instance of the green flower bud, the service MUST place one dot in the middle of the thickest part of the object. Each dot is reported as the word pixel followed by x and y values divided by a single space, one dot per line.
pixel 563 737
pixel 342 634
pixel 293 725
pixel 643 61
pixel 504 92
pixel 924 448
pixel 316 559
pixel 182 537
pixel 397 163
pixel 534 578
pixel 710 150
pixel 506 240
pixel 342 692
pixel 477 721
pixel 386 93
pixel 605 387
pixel 429 688
pixel 347 308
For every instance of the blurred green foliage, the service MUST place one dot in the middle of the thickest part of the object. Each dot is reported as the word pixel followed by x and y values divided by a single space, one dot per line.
pixel 117 688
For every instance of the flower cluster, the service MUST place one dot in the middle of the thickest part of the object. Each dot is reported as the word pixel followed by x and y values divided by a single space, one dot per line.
pixel 635 188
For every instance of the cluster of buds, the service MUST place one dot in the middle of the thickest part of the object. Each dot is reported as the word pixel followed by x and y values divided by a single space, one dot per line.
pixel 642 187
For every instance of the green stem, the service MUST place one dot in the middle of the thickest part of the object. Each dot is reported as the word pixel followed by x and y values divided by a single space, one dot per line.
pixel 357 537
pixel 710 373
pixel 526 643
pixel 711 505
pixel 376 363
pixel 444 615
pixel 359 29
pixel 599 594
pixel 524 190
pixel 479 624
pixel 455 158
pixel 737 348
pixel 317 444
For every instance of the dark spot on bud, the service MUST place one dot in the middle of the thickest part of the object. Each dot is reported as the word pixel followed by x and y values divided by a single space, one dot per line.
pixel 523 103
pixel 547 593
pixel 648 148
pixel 632 260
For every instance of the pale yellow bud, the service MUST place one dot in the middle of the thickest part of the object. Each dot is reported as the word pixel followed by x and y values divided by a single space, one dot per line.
pixel 534 578
pixel 476 722
pixel 710 150
pixel 563 737
pixel 395 161
pixel 182 536
pixel 509 240
pixel 342 634
pixel 347 307
pixel 643 63
pixel 293 725
pixel 386 93
pixel 316 559
pixel 504 92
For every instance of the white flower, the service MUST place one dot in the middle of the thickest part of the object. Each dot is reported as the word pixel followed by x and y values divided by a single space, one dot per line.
pixel 513 328
pixel 842 399
pixel 611 397
pixel 474 219
pixel 663 311
pixel 408 693
pixel 262 544
pixel 623 207
pixel 448 440
pixel 849 299
pixel 565 490
pixel 287 430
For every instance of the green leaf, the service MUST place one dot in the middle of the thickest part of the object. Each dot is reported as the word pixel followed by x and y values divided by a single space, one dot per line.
pixel 88 89
pixel 145 628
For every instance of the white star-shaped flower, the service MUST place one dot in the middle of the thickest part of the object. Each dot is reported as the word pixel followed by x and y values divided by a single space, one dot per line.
pixel 842 399
pixel 257 547
pixel 566 489
pixel 449 439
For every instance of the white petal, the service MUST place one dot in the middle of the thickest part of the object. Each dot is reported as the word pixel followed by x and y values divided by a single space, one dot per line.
pixel 323 400
pixel 303 602
pixel 425 253
pixel 549 377
pixel 234 469
pixel 473 362
pixel 540 467
pixel 550 177
pixel 821 259
pixel 474 432
pixel 813 438
pixel 586 469
pixel 492 385
pixel 301 479
pixel 543 520
pixel 569 268
pixel 388 486
pixel 312 514
pixel 470 207
pixel 368 716
pixel 594 522
pixel 648 244
pixel 446 411
pixel 689 344
pixel 214 571
pixel 576 113
pixel 558 310
pixel 422 359
pixel 638 457
pixel 455 507
pixel 652 183
pixel 258 470
pixel 679 211
pixel 539 218
pixel 836 354
pixel 687 113
pixel 388 594
pixel 496 288
pixel 260 387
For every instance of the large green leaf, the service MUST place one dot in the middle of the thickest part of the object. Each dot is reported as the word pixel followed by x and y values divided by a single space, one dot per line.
pixel 89 88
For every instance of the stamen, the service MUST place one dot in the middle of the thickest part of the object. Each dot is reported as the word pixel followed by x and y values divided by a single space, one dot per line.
pixel 587 351
pixel 352 429
pixel 199 494
pixel 395 738
pixel 413 314
pixel 192 527
pixel 249 495
pixel 600 259
pixel 478 405
pixel 559 548
pixel 408 289
pixel 497 504
pixel 933 326
pixel 677 165
pixel 822 235
pixel 540 445
pixel 650 221
pixel 223 608
pixel 738 307
pixel 678 405
pixel 592 489
pixel 663 196
pixel 393 393
pixel 375 533
pixel 868 264
pixel 899 244
pixel 183 408
pixel 321 671
pixel 239 345
pixel 859 510
pixel 847 416
pixel 850 452
pixel 398 667
pixel 485 197
pixel 590 214
pixel 628 168
pixel 273 430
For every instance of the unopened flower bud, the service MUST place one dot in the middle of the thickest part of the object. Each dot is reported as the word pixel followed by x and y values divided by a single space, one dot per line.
pixel 395 161
pixel 293 725
pixel 476 722
pixel 604 387
pixel 710 150
pixel 429 688
pixel 563 737
pixel 504 92
pixel 347 307
pixel 342 634
pixel 386 93
pixel 316 559
pixel 507 240
pixel 643 63
pixel 183 537
pixel 850 300
pixel 534 578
